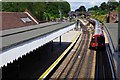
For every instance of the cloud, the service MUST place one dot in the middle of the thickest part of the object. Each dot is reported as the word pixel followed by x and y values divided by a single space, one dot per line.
pixel 92 2
pixel 75 4
pixel 117 0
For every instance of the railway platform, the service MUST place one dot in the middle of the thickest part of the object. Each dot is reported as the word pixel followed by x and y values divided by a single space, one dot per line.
pixel 113 36
pixel 113 31
pixel 28 67
pixel 69 37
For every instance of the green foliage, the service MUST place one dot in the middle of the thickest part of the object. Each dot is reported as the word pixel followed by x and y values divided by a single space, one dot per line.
pixel 81 9
pixel 99 17
pixel 112 5
pixel 101 11
pixel 105 7
pixel 42 10
pixel 93 8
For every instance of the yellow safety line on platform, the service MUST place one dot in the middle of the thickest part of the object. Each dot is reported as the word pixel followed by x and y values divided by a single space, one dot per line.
pixel 106 39
pixel 58 60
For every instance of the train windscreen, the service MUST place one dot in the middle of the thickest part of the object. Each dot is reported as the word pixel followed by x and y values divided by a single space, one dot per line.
pixel 100 40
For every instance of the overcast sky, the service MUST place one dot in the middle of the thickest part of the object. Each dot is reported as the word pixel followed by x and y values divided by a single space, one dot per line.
pixel 75 4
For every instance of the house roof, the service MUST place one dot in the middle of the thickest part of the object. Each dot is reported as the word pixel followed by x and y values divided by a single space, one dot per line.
pixel 17 19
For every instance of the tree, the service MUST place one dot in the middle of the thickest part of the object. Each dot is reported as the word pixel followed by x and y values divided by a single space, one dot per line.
pixel 103 6
pixel 112 5
pixel 93 8
pixel 81 9
pixel 39 9
pixel 96 7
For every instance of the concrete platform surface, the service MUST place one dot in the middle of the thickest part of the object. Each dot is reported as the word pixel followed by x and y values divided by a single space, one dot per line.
pixel 113 30
pixel 68 37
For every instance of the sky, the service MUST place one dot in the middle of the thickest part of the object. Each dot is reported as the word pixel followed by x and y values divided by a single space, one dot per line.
pixel 75 4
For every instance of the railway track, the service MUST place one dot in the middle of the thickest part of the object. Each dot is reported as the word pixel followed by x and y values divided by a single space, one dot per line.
pixel 82 63
pixel 104 67
pixel 79 62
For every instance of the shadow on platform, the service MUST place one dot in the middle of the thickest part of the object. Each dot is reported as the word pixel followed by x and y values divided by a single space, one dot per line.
pixel 32 65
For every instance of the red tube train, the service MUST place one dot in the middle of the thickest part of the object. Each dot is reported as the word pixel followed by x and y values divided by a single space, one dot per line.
pixel 97 40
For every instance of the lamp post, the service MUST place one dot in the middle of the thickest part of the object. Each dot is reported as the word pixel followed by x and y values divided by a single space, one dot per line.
pixel 46 14
pixel 60 14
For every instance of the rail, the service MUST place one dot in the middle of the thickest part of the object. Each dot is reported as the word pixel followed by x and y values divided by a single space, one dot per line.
pixel 110 49
pixel 52 67
pixel 79 62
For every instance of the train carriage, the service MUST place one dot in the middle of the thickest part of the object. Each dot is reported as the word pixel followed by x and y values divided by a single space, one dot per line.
pixel 97 40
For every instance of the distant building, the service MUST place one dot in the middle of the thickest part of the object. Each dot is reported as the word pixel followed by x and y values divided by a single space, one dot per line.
pixel 17 19
pixel 112 17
